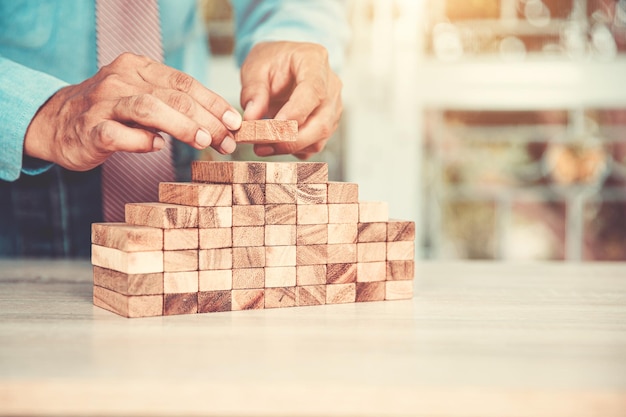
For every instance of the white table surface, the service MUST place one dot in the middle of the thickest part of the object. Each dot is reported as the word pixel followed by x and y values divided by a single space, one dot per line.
pixel 478 339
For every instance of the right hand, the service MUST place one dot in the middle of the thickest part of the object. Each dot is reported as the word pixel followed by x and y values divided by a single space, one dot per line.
pixel 121 108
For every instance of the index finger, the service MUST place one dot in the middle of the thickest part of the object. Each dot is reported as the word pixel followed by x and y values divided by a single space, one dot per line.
pixel 309 93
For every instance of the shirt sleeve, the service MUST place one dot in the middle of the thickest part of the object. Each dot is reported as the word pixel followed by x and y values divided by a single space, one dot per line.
pixel 22 92
pixel 318 21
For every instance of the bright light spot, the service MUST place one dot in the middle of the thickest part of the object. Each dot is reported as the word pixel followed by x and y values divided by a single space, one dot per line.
pixel 537 13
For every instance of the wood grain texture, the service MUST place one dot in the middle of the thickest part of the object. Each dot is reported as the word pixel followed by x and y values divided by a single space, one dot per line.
pixel 127 262
pixel 181 303
pixel 196 194
pixel 400 251
pixel 127 238
pixel 280 276
pixel 371 271
pixel 310 275
pixel 267 131
pixel 128 284
pixel 311 234
pixel 248 278
pixel 280 234
pixel 342 253
pixel 218 280
pixel 398 290
pixel 373 211
pixel 280 193
pixel 215 238
pixel 312 214
pixel 180 239
pixel 343 192
pixel 228 172
pixel 162 215
pixel 340 293
pixel 400 230
pixel 128 306
pixel 312 172
pixel 280 255
pixel 400 270
pixel 280 297
pixel 342 232
pixel 253 299
pixel 211 259
pixel 370 291
pixel 281 173
pixel 280 214
pixel 248 194
pixel 371 251
pixel 372 232
pixel 311 254
pixel 180 260
pixel 248 215
pixel 311 295
pixel 213 217
pixel 341 273
pixel 343 213
pixel 248 236
pixel 179 282
pixel 311 194
pixel 249 257
pixel 214 301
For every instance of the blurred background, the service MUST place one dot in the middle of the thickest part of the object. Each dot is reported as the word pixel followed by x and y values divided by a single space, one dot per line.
pixel 498 126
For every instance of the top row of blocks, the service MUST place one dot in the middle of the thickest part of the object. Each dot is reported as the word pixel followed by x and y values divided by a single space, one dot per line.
pixel 239 172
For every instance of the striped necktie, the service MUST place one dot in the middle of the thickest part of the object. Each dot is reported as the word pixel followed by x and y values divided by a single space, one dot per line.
pixel 131 26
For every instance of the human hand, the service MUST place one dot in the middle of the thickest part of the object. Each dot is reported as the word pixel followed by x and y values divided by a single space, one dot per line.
pixel 292 81
pixel 122 108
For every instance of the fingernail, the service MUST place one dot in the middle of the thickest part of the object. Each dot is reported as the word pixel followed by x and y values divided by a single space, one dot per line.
pixel 262 150
pixel 228 145
pixel 203 138
pixel 232 120
pixel 158 143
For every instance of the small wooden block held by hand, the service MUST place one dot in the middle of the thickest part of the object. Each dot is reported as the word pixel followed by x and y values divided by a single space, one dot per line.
pixel 267 131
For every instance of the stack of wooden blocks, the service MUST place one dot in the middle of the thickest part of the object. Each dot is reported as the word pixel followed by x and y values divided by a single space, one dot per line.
pixel 251 235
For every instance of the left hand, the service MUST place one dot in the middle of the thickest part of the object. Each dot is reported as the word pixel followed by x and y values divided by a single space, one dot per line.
pixel 292 81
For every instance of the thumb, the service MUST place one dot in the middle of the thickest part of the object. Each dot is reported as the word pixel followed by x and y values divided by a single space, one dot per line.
pixel 255 93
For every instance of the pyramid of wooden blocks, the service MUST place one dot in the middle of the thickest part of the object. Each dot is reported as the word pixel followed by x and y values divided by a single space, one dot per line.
pixel 251 235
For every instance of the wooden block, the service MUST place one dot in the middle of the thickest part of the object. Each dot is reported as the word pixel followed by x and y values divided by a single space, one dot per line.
pixel 248 194
pixel 218 280
pixel 162 215
pixel 248 215
pixel 341 273
pixel 312 214
pixel 228 172
pixel 311 194
pixel 267 131
pixel 180 239
pixel 213 217
pixel 372 232
pixel 342 253
pixel 398 290
pixel 342 232
pixel 179 282
pixel 310 275
pixel 211 259
pixel 180 260
pixel 401 251
pixel 280 276
pixel 280 214
pixel 400 270
pixel 373 211
pixel 370 291
pixel 128 262
pixel 214 301
pixel 340 293
pixel 280 297
pixel 215 238
pixel 196 194
pixel 400 230
pixel 311 295
pixel 311 254
pixel 247 278
pixel 280 193
pixel 280 234
pixel 311 234
pixel 128 305
pixel 371 251
pixel 128 284
pixel 249 257
pixel 180 303
pixel 127 238
pixel 281 173
pixel 371 271
pixel 253 299
pixel 248 236
pixel 342 192
pixel 312 172
pixel 280 256
pixel 343 213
